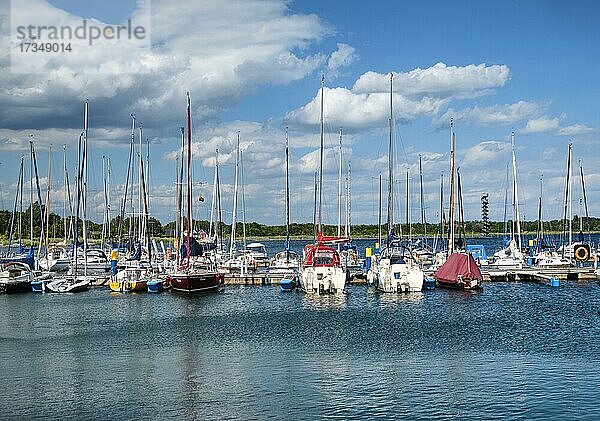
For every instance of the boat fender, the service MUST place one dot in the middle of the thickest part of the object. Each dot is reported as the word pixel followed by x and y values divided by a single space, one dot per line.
pixel 582 252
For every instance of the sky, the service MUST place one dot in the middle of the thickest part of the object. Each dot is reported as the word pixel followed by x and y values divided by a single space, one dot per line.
pixel 255 67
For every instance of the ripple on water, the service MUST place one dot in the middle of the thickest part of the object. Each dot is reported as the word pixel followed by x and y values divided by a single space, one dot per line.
pixel 517 351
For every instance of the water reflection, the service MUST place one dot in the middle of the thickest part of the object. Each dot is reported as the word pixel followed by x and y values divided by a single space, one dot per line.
pixel 324 302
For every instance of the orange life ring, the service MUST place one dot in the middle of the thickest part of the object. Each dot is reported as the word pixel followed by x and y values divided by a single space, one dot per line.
pixel 582 252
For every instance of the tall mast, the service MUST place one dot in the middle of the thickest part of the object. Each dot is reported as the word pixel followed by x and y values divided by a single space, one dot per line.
pixel 31 196
pixel 47 209
pixel 140 192
pixel 321 156
pixel 124 203
pixel 584 196
pixel 339 224
pixel 214 197
pixel 287 196
pixel 21 180
pixel 423 221
pixel 540 230
pixel 235 191
pixel 570 194
pixel 84 172
pixel 390 206
pixel 243 199
pixel 515 191
pixel 108 213
pixel 451 216
pixel 408 225
pixel 347 228
pixel 189 180
pixel 65 193
pixel 441 233
pixel 179 188
pixel 379 211
pixel 104 216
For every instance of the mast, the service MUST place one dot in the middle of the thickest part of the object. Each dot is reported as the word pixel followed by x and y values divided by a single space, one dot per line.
pixel 47 208
pixel 339 224
pixel 85 172
pixel 347 228
pixel 39 194
pixel 451 216
pixel 423 221
pixel 567 200
pixel 441 233
pixel 321 156
pixel 104 216
pixel 540 230
pixel 140 192
pixel 179 188
pixel 108 213
pixel 189 180
pixel 390 205
pixel 584 195
pixel 515 191
pixel 506 204
pixel 570 180
pixel 379 211
pixel 14 213
pixel 65 193
pixel 243 199
pixel 124 203
pixel 287 197
pixel 235 191
pixel 408 225
pixel 21 181
pixel 315 209
pixel 31 196
pixel 214 197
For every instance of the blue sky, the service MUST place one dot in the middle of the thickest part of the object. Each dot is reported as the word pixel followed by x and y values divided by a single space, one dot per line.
pixel 255 67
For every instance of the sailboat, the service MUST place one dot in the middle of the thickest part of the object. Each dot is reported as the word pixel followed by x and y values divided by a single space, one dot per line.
pixel 285 264
pixel 459 271
pixel 322 270
pixel 21 255
pixel 576 251
pixel 196 272
pixel 395 270
pixel 512 256
pixel 73 282
pixel 136 274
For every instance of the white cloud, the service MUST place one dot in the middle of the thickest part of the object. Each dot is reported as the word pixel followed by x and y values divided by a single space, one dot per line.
pixel 575 130
pixel 485 153
pixel 220 57
pixel 343 56
pixel 344 108
pixel 541 125
pixel 439 80
pixel 495 114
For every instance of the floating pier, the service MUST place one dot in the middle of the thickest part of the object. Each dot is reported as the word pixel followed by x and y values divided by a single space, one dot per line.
pixel 258 278
pixel 538 275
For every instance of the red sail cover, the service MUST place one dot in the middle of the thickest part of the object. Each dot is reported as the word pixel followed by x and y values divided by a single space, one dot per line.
pixel 458 264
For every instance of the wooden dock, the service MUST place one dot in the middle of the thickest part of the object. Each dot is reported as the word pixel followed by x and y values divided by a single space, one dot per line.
pixel 255 278
pixel 539 275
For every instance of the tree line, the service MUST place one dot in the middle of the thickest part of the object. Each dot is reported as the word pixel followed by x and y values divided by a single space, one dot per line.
pixel 56 227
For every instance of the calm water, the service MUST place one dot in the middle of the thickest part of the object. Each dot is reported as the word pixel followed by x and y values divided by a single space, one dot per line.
pixel 513 351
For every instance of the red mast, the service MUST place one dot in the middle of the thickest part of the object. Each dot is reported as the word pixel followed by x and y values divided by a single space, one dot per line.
pixel 189 180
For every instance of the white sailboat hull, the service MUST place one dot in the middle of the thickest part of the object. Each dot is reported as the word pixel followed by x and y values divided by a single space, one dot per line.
pixel 323 280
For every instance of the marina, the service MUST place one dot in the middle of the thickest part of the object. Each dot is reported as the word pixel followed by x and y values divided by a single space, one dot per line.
pixel 295 210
